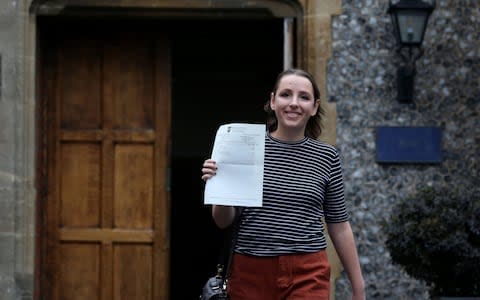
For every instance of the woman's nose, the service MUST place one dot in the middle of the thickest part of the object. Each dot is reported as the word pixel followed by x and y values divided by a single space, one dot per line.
pixel 294 101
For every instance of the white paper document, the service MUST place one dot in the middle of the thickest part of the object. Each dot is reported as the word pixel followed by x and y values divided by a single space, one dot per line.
pixel 239 152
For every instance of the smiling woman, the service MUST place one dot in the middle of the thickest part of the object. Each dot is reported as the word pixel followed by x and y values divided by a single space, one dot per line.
pixel 280 249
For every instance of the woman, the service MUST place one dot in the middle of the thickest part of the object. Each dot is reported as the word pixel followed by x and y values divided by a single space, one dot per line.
pixel 280 249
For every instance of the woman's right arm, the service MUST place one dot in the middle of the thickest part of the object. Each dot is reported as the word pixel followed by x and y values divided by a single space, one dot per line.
pixel 222 215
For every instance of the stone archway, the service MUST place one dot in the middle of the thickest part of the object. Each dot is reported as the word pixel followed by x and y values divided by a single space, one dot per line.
pixel 313 49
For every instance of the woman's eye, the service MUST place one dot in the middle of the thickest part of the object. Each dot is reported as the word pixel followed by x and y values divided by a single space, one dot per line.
pixel 305 97
pixel 284 94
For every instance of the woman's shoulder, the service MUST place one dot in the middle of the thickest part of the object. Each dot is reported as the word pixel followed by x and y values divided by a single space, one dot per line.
pixel 323 147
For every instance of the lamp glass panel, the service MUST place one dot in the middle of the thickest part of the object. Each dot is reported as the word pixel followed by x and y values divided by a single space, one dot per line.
pixel 411 25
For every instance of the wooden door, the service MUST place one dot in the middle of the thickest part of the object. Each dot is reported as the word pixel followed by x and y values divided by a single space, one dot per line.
pixel 107 100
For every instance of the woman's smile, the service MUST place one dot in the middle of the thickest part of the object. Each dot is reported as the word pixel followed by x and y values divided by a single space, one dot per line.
pixel 292 114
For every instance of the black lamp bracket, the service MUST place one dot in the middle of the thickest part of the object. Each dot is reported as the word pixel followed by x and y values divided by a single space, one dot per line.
pixel 410 55
pixel 406 72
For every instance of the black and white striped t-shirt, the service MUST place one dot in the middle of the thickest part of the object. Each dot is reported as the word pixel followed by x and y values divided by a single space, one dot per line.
pixel 302 184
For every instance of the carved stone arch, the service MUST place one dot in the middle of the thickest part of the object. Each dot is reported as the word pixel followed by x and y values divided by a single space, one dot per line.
pixel 291 9
pixel 313 33
pixel 279 8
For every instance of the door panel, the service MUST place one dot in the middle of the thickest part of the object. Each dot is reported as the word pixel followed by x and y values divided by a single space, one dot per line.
pixel 108 107
pixel 129 85
pixel 79 271
pixel 80 189
pixel 133 187
pixel 128 260
pixel 79 76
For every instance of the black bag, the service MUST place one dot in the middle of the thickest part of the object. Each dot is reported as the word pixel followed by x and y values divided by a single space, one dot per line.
pixel 216 287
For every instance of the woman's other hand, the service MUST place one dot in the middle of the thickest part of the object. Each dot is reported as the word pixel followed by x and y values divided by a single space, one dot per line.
pixel 209 169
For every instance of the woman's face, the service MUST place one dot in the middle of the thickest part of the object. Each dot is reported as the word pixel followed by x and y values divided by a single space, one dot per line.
pixel 294 103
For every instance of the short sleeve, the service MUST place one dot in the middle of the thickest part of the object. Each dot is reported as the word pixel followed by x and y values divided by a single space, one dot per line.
pixel 334 204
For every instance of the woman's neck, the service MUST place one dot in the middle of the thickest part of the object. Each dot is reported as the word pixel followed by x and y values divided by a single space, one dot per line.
pixel 287 136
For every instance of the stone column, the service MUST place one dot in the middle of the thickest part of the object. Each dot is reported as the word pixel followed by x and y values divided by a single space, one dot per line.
pixel 26 149
pixel 17 151
pixel 318 50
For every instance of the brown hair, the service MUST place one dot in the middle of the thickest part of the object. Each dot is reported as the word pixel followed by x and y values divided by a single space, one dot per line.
pixel 314 124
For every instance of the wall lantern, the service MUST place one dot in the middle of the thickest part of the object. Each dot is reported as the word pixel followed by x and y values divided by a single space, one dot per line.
pixel 409 18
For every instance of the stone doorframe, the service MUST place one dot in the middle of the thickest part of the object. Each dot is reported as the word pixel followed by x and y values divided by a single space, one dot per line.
pixel 317 45
pixel 313 50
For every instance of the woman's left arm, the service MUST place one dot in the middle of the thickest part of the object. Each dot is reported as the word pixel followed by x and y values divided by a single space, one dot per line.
pixel 342 237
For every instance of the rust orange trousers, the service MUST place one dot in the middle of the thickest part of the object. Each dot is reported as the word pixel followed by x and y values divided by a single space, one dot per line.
pixel 303 276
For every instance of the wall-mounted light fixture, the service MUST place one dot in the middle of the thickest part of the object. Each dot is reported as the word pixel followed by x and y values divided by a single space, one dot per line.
pixel 409 18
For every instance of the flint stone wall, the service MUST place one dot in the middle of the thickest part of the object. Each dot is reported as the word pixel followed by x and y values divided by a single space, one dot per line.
pixel 362 82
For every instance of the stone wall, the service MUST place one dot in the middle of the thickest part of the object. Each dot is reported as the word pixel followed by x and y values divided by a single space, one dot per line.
pixel 17 191
pixel 361 81
pixel 8 119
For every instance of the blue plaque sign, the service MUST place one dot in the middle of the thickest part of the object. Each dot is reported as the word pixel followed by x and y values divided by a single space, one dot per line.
pixel 408 145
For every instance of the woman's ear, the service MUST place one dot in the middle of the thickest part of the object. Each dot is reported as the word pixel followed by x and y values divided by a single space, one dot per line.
pixel 272 101
pixel 316 105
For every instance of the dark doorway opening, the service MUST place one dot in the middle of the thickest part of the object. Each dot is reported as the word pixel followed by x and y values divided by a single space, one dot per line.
pixel 222 72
